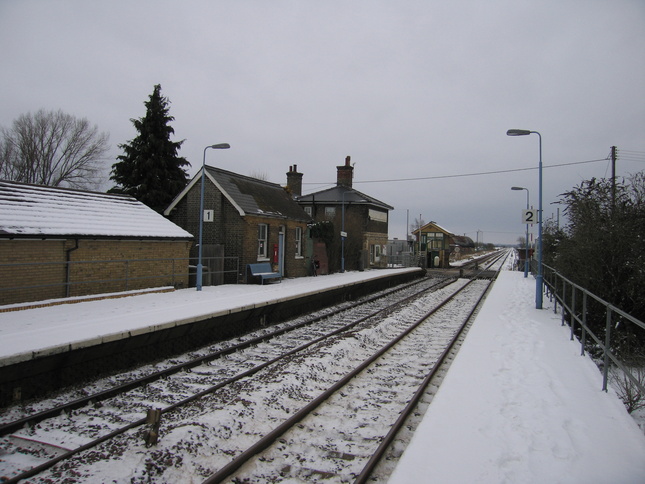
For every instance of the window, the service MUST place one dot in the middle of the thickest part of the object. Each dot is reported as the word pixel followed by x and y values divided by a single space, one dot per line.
pixel 377 215
pixel 308 210
pixel 435 240
pixel 263 233
pixel 330 212
pixel 298 241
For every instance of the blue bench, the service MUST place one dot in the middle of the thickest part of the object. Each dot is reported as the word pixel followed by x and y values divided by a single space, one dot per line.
pixel 261 272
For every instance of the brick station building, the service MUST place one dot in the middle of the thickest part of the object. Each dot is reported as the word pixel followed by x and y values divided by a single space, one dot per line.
pixel 60 242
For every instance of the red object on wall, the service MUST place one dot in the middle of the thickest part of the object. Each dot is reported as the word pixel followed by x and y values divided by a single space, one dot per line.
pixel 275 253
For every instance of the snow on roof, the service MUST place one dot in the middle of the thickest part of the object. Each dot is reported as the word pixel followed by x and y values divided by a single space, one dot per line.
pixel 33 210
pixel 433 224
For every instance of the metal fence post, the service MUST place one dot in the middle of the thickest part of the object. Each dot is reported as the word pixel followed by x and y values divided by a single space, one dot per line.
pixel 605 370
pixel 555 302
pixel 573 311
pixel 564 300
pixel 584 322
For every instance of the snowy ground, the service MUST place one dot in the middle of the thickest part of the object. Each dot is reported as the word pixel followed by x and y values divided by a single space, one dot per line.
pixel 518 405
pixel 32 330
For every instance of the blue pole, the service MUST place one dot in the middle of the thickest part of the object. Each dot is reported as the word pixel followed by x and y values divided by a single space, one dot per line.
pixel 220 146
pixel 539 278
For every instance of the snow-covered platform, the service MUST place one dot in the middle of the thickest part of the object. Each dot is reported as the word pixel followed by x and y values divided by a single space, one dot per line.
pixel 39 331
pixel 57 344
pixel 520 405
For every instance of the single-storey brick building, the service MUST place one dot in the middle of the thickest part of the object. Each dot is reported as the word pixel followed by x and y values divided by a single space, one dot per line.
pixel 60 242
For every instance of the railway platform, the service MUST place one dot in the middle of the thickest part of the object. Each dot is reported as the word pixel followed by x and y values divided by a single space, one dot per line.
pixel 56 343
pixel 519 404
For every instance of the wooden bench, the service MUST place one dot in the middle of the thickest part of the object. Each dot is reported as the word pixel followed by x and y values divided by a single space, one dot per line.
pixel 261 272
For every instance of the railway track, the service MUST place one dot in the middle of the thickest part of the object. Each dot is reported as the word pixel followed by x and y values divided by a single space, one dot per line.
pixel 84 434
pixel 335 438
pixel 21 435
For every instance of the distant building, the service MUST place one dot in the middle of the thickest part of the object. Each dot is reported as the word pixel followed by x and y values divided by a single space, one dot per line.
pixel 361 217
pixel 45 233
pixel 246 219
pixel 435 244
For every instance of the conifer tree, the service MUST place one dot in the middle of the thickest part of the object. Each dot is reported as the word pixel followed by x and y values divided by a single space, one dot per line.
pixel 150 169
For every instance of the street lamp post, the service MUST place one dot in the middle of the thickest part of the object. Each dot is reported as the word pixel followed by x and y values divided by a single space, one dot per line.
pixel 221 146
pixel 526 242
pixel 539 278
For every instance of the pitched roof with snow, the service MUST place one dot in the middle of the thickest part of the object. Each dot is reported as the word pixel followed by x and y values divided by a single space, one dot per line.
pixel 249 196
pixel 41 211
pixel 433 227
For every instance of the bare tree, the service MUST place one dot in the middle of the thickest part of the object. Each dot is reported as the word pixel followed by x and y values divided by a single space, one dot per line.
pixel 259 175
pixel 52 148
pixel 417 224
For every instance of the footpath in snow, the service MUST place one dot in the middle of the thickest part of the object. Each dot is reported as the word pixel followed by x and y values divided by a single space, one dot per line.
pixel 520 405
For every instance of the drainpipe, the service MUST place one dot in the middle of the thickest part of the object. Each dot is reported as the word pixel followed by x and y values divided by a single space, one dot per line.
pixel 68 257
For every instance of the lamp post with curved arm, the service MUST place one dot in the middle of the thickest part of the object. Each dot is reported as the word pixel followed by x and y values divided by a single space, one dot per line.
pixel 220 146
pixel 539 277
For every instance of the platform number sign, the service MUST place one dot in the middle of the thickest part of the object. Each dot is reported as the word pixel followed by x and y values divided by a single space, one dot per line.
pixel 209 215
pixel 529 216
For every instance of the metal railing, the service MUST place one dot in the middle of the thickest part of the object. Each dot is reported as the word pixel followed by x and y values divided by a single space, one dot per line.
pixel 405 259
pixel 36 281
pixel 621 345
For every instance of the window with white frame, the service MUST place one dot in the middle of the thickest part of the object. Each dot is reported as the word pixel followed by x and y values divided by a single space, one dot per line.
pixel 308 210
pixel 298 241
pixel 263 235
pixel 330 212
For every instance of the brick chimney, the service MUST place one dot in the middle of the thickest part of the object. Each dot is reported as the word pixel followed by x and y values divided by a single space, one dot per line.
pixel 294 181
pixel 345 174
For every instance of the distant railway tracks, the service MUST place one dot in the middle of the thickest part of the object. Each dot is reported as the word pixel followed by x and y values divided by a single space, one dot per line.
pixel 273 392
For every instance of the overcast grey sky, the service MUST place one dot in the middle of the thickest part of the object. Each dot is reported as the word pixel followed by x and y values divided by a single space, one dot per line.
pixel 410 89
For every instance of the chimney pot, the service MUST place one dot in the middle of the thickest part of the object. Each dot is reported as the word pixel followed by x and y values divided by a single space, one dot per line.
pixel 294 181
pixel 344 174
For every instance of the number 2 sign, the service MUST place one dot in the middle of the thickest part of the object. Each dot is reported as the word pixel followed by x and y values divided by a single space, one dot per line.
pixel 529 216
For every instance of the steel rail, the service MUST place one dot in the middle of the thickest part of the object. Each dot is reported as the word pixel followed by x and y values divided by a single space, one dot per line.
pixel 46 465
pixel 271 437
pixel 368 469
pixel 30 420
